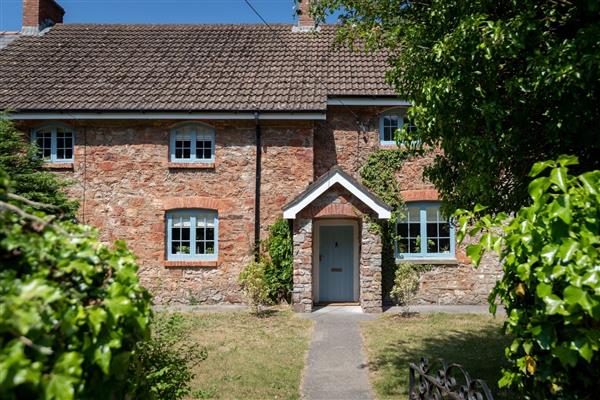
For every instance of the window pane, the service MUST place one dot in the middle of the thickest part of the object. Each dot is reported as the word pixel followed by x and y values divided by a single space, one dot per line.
pixel 44 144
pixel 412 246
pixel 204 149
pixel 444 229
pixel 444 246
pixel 403 246
pixel 185 234
pixel 403 230
pixel 414 230
pixel 183 144
pixel 180 235
pixel 432 230
pixel 432 245
pixel 414 214
pixel 432 214
pixel 210 234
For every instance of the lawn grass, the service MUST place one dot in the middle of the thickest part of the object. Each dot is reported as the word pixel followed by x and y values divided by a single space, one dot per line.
pixel 248 357
pixel 393 341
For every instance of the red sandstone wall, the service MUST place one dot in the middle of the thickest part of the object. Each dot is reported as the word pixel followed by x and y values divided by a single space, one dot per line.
pixel 125 174
pixel 128 180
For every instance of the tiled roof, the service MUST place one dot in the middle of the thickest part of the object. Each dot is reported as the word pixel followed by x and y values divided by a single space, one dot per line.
pixel 183 68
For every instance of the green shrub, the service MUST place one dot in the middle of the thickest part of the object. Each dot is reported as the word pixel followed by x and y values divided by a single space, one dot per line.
pixel 406 281
pixel 550 253
pixel 279 269
pixel 71 309
pixel 162 363
pixel 255 285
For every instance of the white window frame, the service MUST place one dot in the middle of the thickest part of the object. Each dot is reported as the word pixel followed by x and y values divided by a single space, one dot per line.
pixel 196 130
pixel 53 130
pixel 423 254
pixel 193 214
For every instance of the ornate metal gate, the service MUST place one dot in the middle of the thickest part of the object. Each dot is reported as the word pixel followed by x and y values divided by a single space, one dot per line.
pixel 447 381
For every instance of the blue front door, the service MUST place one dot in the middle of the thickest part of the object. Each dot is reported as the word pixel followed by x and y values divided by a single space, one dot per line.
pixel 336 264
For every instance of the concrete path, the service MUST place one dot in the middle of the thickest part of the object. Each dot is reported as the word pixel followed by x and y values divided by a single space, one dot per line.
pixel 336 366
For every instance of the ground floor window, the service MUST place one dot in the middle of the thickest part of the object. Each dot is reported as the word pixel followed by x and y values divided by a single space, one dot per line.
pixel 423 232
pixel 192 235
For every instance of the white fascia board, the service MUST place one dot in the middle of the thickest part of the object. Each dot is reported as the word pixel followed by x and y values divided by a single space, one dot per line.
pixel 382 213
pixel 154 116
pixel 367 101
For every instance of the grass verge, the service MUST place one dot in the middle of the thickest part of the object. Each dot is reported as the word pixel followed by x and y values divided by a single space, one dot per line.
pixel 248 357
pixel 393 341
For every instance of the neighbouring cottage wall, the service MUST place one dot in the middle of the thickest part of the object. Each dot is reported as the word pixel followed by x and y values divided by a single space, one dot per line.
pixel 122 179
pixel 347 138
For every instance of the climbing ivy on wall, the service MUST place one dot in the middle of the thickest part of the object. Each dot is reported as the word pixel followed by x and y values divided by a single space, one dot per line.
pixel 379 175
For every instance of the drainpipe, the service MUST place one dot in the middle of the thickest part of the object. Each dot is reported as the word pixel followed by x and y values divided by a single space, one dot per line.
pixel 257 188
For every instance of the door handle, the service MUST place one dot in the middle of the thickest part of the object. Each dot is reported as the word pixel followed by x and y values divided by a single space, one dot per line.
pixel 336 270
pixel 320 257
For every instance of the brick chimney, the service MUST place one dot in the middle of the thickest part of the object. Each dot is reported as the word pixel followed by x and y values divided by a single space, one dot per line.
pixel 305 20
pixel 39 15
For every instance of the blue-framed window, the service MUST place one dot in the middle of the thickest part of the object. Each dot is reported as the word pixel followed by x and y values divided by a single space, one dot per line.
pixel 424 233
pixel 389 123
pixel 192 143
pixel 192 235
pixel 55 143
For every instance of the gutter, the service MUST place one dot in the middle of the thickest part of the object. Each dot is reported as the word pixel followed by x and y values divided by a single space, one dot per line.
pixel 305 116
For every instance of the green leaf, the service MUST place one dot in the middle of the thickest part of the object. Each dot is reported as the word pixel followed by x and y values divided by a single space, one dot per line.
pixel 540 167
pixel 60 387
pixel 479 208
pixel 538 186
pixel 567 250
pixel 574 295
pixel 474 252
pixel 543 290
pixel 554 305
pixel 558 176
pixel 564 160
pixel 590 182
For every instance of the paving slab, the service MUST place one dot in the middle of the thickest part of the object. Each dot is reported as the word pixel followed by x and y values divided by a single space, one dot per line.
pixel 336 367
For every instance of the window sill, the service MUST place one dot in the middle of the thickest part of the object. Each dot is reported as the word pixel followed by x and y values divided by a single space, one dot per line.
pixel 199 263
pixel 58 165
pixel 433 261
pixel 191 165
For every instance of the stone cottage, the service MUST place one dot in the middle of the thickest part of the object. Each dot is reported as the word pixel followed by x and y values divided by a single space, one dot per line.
pixel 187 141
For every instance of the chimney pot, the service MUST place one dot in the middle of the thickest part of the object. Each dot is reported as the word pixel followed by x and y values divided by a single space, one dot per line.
pixel 39 15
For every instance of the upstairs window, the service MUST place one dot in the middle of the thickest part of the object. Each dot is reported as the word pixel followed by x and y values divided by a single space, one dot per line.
pixel 55 143
pixel 193 143
pixel 424 233
pixel 192 235
pixel 389 123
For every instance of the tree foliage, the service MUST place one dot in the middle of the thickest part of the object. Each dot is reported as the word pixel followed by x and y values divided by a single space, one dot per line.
pixel 497 85
pixel 550 253
pixel 71 309
pixel 19 159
